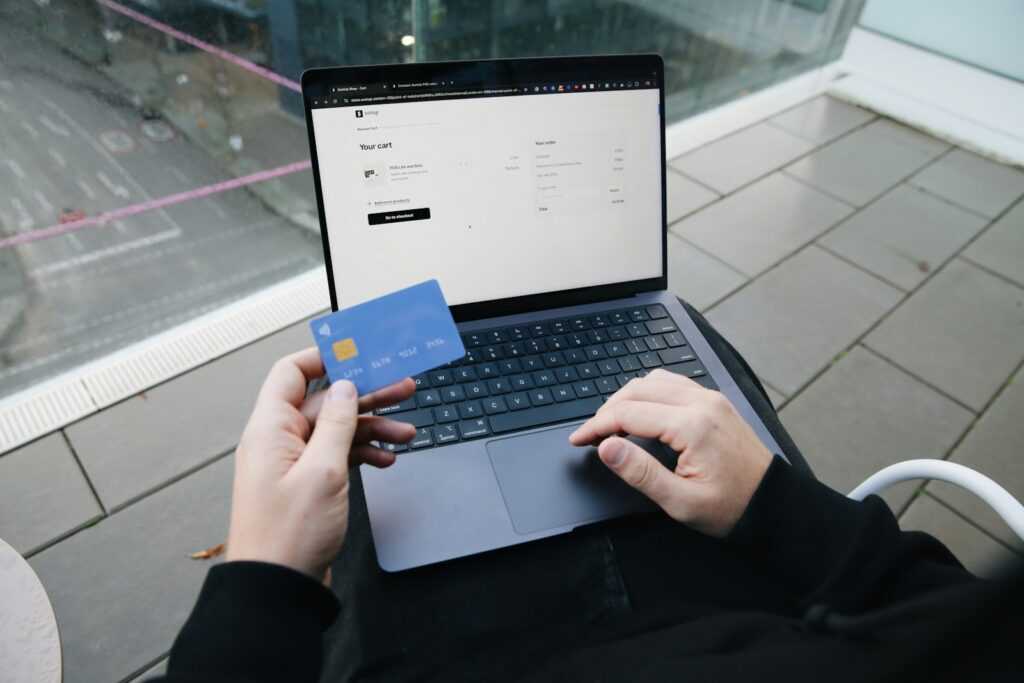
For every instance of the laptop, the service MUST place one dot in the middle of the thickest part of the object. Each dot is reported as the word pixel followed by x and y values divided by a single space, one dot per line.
pixel 534 191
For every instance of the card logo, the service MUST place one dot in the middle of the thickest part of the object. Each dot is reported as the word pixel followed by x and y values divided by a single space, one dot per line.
pixel 345 349
pixel 359 113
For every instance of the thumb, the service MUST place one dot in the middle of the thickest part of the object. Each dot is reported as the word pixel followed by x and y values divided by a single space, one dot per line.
pixel 335 427
pixel 641 470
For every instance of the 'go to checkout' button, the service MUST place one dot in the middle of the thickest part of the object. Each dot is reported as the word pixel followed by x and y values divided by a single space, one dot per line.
pixel 386 217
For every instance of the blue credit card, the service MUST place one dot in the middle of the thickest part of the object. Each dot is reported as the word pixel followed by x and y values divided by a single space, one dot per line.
pixel 381 341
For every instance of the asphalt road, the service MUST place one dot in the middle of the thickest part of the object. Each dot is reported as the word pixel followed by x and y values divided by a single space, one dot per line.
pixel 69 139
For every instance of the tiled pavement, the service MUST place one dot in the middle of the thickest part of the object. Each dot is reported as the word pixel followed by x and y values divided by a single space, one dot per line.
pixel 873 276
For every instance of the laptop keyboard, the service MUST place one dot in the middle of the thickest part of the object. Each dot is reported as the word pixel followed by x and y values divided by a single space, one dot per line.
pixel 549 371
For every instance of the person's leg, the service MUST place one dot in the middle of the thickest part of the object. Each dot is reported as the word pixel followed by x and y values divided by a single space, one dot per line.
pixel 425 617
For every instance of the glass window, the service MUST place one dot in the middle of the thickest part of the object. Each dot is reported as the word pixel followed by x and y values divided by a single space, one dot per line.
pixel 154 160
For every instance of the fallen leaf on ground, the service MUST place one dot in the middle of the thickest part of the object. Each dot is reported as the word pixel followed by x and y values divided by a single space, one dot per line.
pixel 209 553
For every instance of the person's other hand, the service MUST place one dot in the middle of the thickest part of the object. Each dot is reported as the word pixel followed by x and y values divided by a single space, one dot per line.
pixel 721 461
pixel 290 499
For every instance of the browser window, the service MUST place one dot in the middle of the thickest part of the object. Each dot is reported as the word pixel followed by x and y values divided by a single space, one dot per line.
pixel 497 194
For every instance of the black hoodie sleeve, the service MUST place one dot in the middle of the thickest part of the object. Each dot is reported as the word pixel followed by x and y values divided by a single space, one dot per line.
pixel 253 621
pixel 831 550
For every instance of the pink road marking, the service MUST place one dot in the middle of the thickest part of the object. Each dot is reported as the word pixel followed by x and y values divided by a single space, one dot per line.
pixel 159 203
pixel 201 44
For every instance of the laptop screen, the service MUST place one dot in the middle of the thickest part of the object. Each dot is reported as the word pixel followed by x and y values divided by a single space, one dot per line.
pixel 498 191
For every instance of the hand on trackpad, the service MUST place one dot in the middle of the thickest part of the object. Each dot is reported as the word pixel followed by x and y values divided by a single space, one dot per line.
pixel 547 483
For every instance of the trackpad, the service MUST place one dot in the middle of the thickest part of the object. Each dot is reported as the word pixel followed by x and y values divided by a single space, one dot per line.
pixel 548 483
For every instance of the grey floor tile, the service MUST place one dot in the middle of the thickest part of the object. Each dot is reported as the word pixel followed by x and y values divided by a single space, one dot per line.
pixel 763 223
pixel 993 447
pixel 684 195
pixel 904 235
pixel 42 494
pixel 959 332
pixel 976 550
pixel 151 438
pixel 793 320
pixel 1001 248
pixel 867 162
pixel 973 182
pixel 822 119
pixel 696 277
pixel 863 414
pixel 122 589
pixel 735 160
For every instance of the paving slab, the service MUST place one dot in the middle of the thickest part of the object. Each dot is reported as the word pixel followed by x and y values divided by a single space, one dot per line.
pixel 793 320
pixel 159 669
pixel 43 494
pixel 696 277
pixel 973 182
pixel 994 448
pixel 733 161
pixel 976 550
pixel 1001 248
pixel 867 162
pixel 776 396
pixel 684 195
pixel 122 588
pixel 864 414
pixel 149 439
pixel 822 119
pixel 960 332
pixel 763 223
pixel 904 235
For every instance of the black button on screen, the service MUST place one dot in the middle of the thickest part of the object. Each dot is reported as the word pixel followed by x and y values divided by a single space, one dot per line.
pixel 387 217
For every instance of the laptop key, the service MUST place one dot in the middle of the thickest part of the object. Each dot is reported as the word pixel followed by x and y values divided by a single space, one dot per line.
pixel 521 382
pixel 629 364
pixel 563 393
pixel 510 367
pixel 492 352
pixel 617 333
pixel 655 342
pixel 637 330
pixel 677 355
pixel 649 360
pixel 470 409
pixel 553 359
pixel 446 434
pixel 541 397
pixel 608 367
pixel 538 330
pixel 559 327
pixel 428 397
pixel 607 385
pixel 496 337
pixel 567 375
pixel 618 318
pixel 466 373
pixel 674 339
pixel 417 418
pixel 556 343
pixel 691 370
pixel 574 356
pixel 584 389
pixel 615 349
pixel 534 345
pixel 493 406
pixel 624 378
pixel 499 386
pixel 422 382
pixel 597 336
pixel 515 350
pixel 424 437
pixel 638 315
pixel 517 333
pixel 657 311
pixel 518 401
pixel 576 339
pixel 588 370
pixel 453 394
pixel 487 370
pixel 407 404
pixel 446 414
pixel 474 429
pixel 530 363
pixel 543 378
pixel 635 345
pixel 471 339
pixel 661 326
pixel 440 378
pixel 595 352
pixel 599 321
pixel 579 324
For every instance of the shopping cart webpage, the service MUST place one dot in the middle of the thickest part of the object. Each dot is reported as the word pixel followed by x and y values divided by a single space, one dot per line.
pixel 496 197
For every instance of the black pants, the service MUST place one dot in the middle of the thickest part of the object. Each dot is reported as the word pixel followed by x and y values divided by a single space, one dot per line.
pixel 392 625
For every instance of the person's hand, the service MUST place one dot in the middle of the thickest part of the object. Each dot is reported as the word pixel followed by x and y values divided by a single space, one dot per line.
pixel 290 499
pixel 721 461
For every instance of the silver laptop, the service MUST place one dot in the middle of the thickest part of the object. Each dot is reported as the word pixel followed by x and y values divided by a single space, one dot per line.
pixel 534 191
